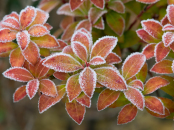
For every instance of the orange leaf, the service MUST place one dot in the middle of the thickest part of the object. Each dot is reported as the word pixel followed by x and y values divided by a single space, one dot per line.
pixel 19 94
pixel 142 74
pixel 113 58
pixel 137 84
pixel 38 30
pixel 84 24
pixel 7 35
pixel 148 1
pixel 48 5
pixel 99 3
pixel 167 113
pixel 97 60
pixel 74 4
pixel 148 50
pixel 8 46
pixel 11 22
pixel 32 87
pixel 13 14
pixel 67 20
pixel 61 75
pixel 84 100
pixel 99 24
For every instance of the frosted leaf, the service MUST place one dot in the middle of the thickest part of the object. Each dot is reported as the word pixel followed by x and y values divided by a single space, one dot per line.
pixel 38 30
pixel 97 60
pixel 19 94
pixel 32 87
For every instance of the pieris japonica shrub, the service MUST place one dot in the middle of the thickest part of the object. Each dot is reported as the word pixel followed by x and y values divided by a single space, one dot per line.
pixel 88 54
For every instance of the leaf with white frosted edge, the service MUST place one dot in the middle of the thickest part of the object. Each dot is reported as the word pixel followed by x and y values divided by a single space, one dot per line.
pixel 12 14
pixel 133 64
pixel 80 50
pixel 106 98
pixel 48 5
pixel 38 30
pixel 172 46
pixel 7 35
pixel 45 102
pixel 48 87
pixel 62 62
pixel 142 74
pixel 84 24
pixel 99 3
pixel 167 113
pixel 111 78
pixel 62 44
pixel 11 22
pixel 16 58
pixel 117 6
pixel 127 114
pixel 161 51
pixel 84 100
pixel 18 74
pixel 145 36
pixel 103 46
pixel 76 111
pixel 31 53
pixel 48 26
pixel 137 84
pixel 94 14
pixel 162 67
pixel 168 38
pixel 86 32
pixel 152 27
pixel 87 81
pixel 74 4
pixel 32 87
pixel 148 1
pixel 168 27
pixel 19 94
pixel 99 24
pixel 68 50
pixel 154 104
pixel 67 20
pixel 46 41
pixel 154 83
pixel 23 39
pixel 165 20
pixel 170 9
pixel 148 50
pixel 97 60
pixel 8 46
pixel 113 58
pixel 61 75
pixel 135 97
pixel 27 16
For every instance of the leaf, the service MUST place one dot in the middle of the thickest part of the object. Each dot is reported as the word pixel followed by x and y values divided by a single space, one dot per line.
pixel 103 46
pixel 48 26
pixel 45 102
pixel 23 39
pixel 137 84
pixel 154 83
pixel 19 94
pixel 106 98
pixel 62 62
pixel 74 4
pixel 48 87
pixel 153 28
pixel 168 27
pixel 73 87
pixel 27 16
pixel 110 78
pixel 8 46
pixel 135 97
pixel 154 104
pixel 80 50
pixel 48 5
pixel 12 14
pixel 116 6
pixel 99 24
pixel 84 100
pixel 46 41
pixel 16 58
pixel 84 24
pixel 168 103
pixel 87 81
pixel 148 50
pixel 133 64
pixel 10 22
pixel 99 3
pixel 31 53
pixel 18 74
pixel 76 111
pixel 97 60
pixel 7 35
pixel 162 67
pixel 148 1
pixel 38 30
pixel 165 20
pixel 170 17
pixel 67 20
pixel 113 58
pixel 167 113
pixel 68 50
pixel 115 22
pixel 127 114
pixel 170 2
pixel 168 38
pixel 61 75
pixel 142 74
pixel 62 44
pixel 32 87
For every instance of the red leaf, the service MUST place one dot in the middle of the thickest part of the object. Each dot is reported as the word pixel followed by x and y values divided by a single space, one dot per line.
pixel 154 104
pixel 133 64
pixel 18 74
pixel 19 94
pixel 99 24
pixel 61 75
pixel 27 16
pixel 110 78
pixel 13 14
pixel 8 46
pixel 154 83
pixel 145 36
pixel 23 39
pixel 68 50
pixel 127 114
pixel 84 24
pixel 7 35
pixel 16 58
pixel 148 1
pixel 99 3
pixel 80 50
pixel 48 26
pixel 113 58
pixel 32 87
pixel 97 60
pixel 168 27
pixel 74 4
pixel 170 9
pixel 62 62
pixel 162 67
pixel 148 50
pixel 11 22
pixel 48 5
pixel 167 113
pixel 152 27
pixel 87 80
pixel 73 87
pixel 137 84
pixel 106 98
pixel 84 100
pixel 48 87
pixel 62 44
pixel 45 102
pixel 135 97
pixel 103 46
pixel 76 111
pixel 168 38
pixel 164 20
pixel 38 30
pixel 31 53
pixel 117 6
pixel 67 20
